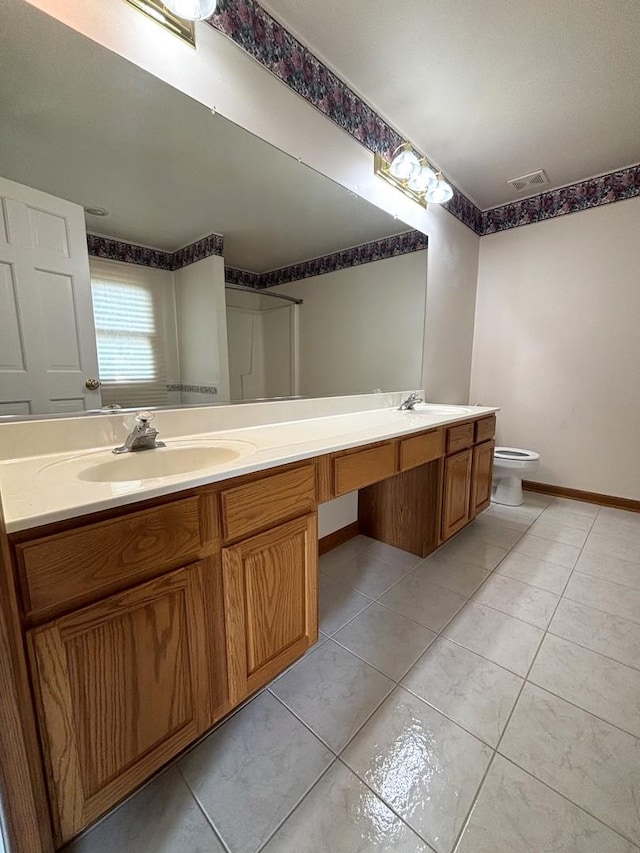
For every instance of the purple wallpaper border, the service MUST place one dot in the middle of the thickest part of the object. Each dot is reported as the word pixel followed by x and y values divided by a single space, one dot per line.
pixel 130 253
pixel 605 189
pixel 366 253
pixel 252 28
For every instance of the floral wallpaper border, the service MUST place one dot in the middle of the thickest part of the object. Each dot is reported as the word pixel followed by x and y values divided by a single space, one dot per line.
pixel 130 253
pixel 605 189
pixel 366 253
pixel 262 37
pixel 252 28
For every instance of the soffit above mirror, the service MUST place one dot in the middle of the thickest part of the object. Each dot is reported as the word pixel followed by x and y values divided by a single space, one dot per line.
pixel 99 131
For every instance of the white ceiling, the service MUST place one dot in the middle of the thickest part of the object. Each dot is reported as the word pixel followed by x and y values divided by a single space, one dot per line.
pixel 84 124
pixel 490 90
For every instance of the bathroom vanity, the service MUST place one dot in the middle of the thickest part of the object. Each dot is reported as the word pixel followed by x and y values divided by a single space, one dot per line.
pixel 145 623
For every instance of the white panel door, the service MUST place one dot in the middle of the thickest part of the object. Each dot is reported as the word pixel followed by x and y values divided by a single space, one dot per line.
pixel 47 336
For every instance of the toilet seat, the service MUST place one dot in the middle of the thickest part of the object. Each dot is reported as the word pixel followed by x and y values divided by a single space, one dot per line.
pixel 515 454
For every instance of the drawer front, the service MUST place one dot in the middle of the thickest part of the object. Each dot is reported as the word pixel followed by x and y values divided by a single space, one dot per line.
pixel 82 565
pixel 459 437
pixel 485 429
pixel 364 467
pixel 420 449
pixel 258 505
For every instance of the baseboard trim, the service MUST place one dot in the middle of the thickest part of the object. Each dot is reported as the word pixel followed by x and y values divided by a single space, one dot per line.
pixel 579 495
pixel 338 537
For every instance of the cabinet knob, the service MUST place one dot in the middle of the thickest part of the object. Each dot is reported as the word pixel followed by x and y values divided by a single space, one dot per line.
pixel 92 384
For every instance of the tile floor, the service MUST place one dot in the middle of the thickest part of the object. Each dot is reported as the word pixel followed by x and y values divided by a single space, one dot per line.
pixel 485 700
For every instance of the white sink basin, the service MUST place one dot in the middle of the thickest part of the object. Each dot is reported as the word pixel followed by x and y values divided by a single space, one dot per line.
pixel 162 462
pixel 438 410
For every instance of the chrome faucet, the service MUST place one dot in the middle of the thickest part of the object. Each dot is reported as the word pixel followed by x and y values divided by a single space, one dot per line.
pixel 410 402
pixel 141 437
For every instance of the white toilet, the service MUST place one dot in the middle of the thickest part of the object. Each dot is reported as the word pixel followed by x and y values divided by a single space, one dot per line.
pixel 510 465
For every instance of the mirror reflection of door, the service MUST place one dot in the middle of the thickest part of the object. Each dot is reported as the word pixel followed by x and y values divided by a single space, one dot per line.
pixel 47 341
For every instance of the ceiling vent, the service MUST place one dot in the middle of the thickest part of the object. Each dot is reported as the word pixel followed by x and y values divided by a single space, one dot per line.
pixel 533 180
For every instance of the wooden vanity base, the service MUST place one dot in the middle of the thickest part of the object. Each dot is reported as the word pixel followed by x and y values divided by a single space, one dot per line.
pixel 125 635
pixel 404 510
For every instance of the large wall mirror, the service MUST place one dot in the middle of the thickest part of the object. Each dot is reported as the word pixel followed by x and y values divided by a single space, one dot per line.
pixel 222 269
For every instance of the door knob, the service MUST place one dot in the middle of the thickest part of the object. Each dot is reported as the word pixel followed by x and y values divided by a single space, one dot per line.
pixel 92 384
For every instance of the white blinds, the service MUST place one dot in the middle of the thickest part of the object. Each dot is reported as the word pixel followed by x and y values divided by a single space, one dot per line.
pixel 131 349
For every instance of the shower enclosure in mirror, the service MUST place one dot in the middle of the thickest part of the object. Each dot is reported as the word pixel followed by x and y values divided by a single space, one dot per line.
pixel 146 246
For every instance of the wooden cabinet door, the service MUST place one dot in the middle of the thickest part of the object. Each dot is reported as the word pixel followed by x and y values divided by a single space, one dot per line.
pixel 456 494
pixel 121 687
pixel 271 603
pixel 481 476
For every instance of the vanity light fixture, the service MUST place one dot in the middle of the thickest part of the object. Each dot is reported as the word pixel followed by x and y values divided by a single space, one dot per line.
pixel 413 176
pixel 162 14
pixel 192 10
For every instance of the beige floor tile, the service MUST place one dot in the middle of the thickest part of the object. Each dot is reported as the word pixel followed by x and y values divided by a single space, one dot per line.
pixel 612 636
pixel 545 549
pixel 595 683
pixel 467 688
pixel 163 817
pixel 369 573
pixel 338 603
pixel 547 576
pixel 249 774
pixel 604 595
pixel 518 599
pixel 589 761
pixel 502 639
pixel 385 639
pixel 516 813
pixel 451 573
pixel 422 601
pixel 332 692
pixel 341 815
pixel 424 766
pixel 557 531
pixel 609 568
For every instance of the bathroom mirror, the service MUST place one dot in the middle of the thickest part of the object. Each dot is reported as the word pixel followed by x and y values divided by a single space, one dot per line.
pixel 223 269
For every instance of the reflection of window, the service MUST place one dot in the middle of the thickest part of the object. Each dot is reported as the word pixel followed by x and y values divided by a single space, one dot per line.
pixel 129 337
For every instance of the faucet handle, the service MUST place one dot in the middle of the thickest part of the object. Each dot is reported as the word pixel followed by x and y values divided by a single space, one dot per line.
pixel 144 418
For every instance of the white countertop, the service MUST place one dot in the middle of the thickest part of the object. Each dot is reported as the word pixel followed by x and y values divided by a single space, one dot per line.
pixel 40 489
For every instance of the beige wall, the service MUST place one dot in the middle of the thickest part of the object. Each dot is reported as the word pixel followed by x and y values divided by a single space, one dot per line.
pixel 202 328
pixel 362 328
pixel 557 345
pixel 451 300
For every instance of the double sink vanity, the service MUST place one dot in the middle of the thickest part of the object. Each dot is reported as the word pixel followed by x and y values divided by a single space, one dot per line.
pixel 153 592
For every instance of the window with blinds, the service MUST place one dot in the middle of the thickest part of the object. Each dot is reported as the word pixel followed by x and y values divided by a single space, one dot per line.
pixel 127 312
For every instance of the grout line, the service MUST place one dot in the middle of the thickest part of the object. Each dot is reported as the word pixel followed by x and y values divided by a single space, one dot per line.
pixel 584 710
pixel 525 681
pixel 298 803
pixel 568 800
pixel 608 580
pixel 388 805
pixel 351 736
pixel 594 651
pixel 207 817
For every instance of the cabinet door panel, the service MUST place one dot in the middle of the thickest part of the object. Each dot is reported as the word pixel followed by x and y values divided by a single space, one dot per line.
pixel 270 584
pixel 457 490
pixel 121 687
pixel 482 476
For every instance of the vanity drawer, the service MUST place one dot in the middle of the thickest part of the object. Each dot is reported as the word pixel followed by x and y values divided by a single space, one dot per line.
pixel 364 467
pixel 68 569
pixel 459 437
pixel 485 429
pixel 261 504
pixel 420 449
